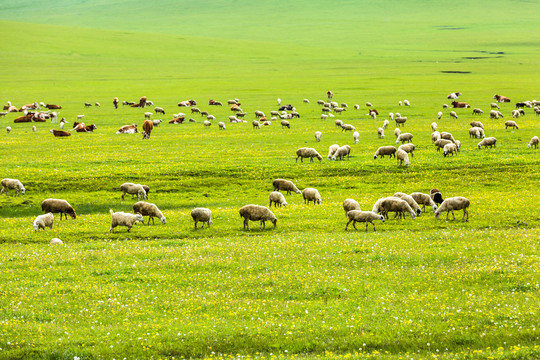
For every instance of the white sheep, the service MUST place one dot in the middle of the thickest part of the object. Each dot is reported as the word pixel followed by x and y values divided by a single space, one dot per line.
pixel 510 123
pixel 256 124
pixel 350 204
pixel 203 215
pixel 134 189
pixel 397 132
pixel 318 135
pixel 56 241
pixel 439 115
pixel 123 219
pixel 393 204
pixel 477 124
pixel 356 106
pixel 307 153
pixel 221 125
pixel 391 115
pixel 368 104
pixel 533 142
pixel 347 127
pixel 285 123
pixel 12 184
pixel 380 133
pixel 435 136
pixel 441 143
pixel 489 141
pixel 406 103
pixel 448 136
pixel 306 101
pixel 148 115
pixel 385 150
pixel 450 149
pixel 210 117
pixel 207 123
pixel 404 137
pixel 476 132
pixel 424 199
pixel 332 150
pixel 8 129
pixel 343 151
pixel 43 221
pixel 408 148
pixel 453 114
pixel 356 137
pixel 277 198
pixel 367 217
pixel 400 120
pixel 150 210
pixel 385 124
pixel 477 111
pixel 338 123
pixel 402 158
pixel 454 203
pixel 257 213
pixel 311 194
pixel 494 114
pixel 285 185
pixel 156 122
pixel 434 126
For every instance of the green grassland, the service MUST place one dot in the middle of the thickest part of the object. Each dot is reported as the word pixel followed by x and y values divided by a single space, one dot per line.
pixel 422 288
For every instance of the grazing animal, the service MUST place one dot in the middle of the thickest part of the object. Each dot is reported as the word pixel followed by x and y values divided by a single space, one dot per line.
pixel 533 142
pixel 285 185
pixel 58 206
pixel 148 126
pixel 150 210
pixel 43 221
pixel 277 198
pixel 510 123
pixel 454 203
pixel 311 194
pixel 385 150
pixel 477 111
pixel 134 189
pixel 489 141
pixel 123 219
pixel 367 217
pixel 12 184
pixel 53 107
pixel 307 153
pixel 424 199
pixel 350 204
pixel 187 103
pixel 115 102
pixel 257 213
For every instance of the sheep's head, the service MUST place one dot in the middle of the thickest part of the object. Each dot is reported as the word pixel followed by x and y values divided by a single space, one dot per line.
pixel 418 212
pixel 319 201
pixel 72 214
pixel 139 217
pixel 375 156
pixel 434 208
pixel 35 226
pixel 23 190
pixel 274 221
pixel 319 157
pixel 381 218
pixel 163 220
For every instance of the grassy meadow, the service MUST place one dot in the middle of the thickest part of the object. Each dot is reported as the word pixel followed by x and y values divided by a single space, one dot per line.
pixel 412 289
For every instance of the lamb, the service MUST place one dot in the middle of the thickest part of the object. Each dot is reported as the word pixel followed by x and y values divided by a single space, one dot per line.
pixel 445 106
pixel 210 117
pixel 434 126
pixel 350 204
pixel 285 185
pixel 424 199
pixel 477 124
pixel 477 111
pixel 34 128
pixel 257 213
pixel 256 124
pixel 8 129
pixel 392 204
pixel 123 219
pixel 320 102
pixel 157 122
pixel 221 125
pixel 385 124
pixel 306 101
pixel 391 115
pixel 441 143
pixel 402 158
pixel 489 141
pixel 355 216
pixel 385 150
pixel 510 123
pixel 454 203
pixel 380 133
pixel 347 127
pixel 343 151
pixel 58 206
pixel 307 153
pixel 476 132
pixel 12 184
pixel 450 149
pixel 285 123
pixel 448 136
pixel 332 150
pixel 356 137
pixel 318 136
pixel 195 110
pixel 134 189
pixel 203 215
pixel 277 198
pixel 339 110
pixel 406 103
pixel 436 195
pixel 311 194
pixel 408 148
pixel 435 136
pixel 404 137
pixel 533 142
pixel 453 114
pixel 150 210
pixel 439 115
pixel 43 221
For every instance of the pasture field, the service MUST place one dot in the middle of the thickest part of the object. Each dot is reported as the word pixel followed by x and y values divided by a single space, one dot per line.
pixel 412 289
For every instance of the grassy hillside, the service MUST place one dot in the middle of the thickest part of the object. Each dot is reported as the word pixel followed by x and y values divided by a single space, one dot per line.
pixel 412 289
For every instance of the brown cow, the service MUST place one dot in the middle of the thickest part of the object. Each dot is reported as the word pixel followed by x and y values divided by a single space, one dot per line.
pixel 187 103
pixel 60 133
pixel 128 129
pixel 177 120
pixel 87 128
pixel 142 102
pixel 115 102
pixel 23 119
pixel 501 98
pixel 148 126
pixel 53 107
pixel 457 104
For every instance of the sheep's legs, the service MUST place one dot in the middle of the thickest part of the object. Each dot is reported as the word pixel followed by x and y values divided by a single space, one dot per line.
pixel 465 212
pixel 246 224
pixel 347 224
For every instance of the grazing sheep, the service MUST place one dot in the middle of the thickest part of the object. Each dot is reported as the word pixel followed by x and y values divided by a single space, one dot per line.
pixel 367 217
pixel 405 137
pixel 434 126
pixel 439 115
pixel 277 198
pixel 221 125
pixel 157 122
pixel 424 199
pixel 368 104
pixel 332 150
pixel 441 143
pixel 350 204
pixel 402 158
pixel 339 110
pixel 477 124
pixel 356 107
pixel 195 110
pixel 436 195
pixel 12 184
pixel 397 132
pixel 324 116
pixel 285 185
pixel 343 151
pixel 385 124
pixel 477 111
pixel 207 123
pixel 338 123
pixel 34 128
pixel 347 127
pixel 203 215
pixel 489 141
pixel 134 189
pixel 320 102
pixel 448 136
pixel 311 194
pixel 56 241
pixel 356 137
pixel 533 142
pixel 150 210
pixel 8 129
pixel 494 114
pixel 286 124
pixel 385 150
pixel 148 115
pixel 494 106
pixel 211 117
pixel 257 213
pixel 306 101
pixel 410 200
pixel 435 136
pixel 307 153
pixel 256 124
pixel 159 110
pixel 259 114
pixel 406 103
pixel 408 148
pixel 510 123
pixel 454 203
pixel 450 149
pixel 380 133
pixel 393 204
pixel 123 219
pixel 400 120
pixel 445 106
pixel 43 221
pixel 474 132
pixel 58 206
pixel 458 144
pixel 453 114
pixel 318 135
